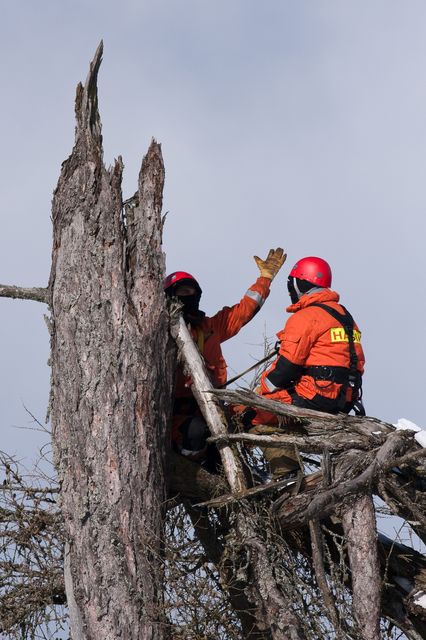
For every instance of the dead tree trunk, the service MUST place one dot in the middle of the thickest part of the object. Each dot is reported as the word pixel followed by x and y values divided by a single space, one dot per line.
pixel 111 384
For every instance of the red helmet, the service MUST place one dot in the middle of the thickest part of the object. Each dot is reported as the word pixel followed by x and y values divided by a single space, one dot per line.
pixel 314 270
pixel 178 276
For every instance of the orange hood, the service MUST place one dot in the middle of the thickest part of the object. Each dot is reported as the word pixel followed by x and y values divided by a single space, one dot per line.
pixel 325 295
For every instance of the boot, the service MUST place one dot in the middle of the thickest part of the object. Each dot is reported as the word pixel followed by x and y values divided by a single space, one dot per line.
pixel 282 461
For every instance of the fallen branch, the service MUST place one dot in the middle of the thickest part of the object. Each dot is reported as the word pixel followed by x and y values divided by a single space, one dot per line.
pixel 408 459
pixel 310 421
pixel 335 442
pixel 254 492
pixel 299 510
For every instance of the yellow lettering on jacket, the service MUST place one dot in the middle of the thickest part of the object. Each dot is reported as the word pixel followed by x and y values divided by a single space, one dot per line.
pixel 338 334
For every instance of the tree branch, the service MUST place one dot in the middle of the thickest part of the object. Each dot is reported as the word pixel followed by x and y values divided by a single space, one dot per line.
pixel 302 508
pixel 359 525
pixel 309 420
pixel 335 442
pixel 318 562
pixel 39 294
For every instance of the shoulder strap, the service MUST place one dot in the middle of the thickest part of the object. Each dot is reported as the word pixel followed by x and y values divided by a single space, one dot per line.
pixel 345 318
pixel 347 322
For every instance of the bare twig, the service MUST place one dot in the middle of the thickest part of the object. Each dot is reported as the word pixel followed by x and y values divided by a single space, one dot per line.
pixel 318 562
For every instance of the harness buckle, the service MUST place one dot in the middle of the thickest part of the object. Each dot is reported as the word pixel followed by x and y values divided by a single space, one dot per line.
pixel 354 380
pixel 327 373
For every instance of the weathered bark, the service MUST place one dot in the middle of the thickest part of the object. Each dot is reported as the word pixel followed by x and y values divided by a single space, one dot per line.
pixel 359 526
pixel 111 384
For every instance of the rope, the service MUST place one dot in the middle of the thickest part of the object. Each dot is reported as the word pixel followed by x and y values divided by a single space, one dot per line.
pixel 240 375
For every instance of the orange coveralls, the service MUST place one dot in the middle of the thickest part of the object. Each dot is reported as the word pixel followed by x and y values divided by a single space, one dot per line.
pixel 310 338
pixel 209 336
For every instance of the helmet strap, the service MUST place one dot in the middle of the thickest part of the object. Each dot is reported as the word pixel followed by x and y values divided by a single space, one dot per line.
pixel 298 288
pixel 291 286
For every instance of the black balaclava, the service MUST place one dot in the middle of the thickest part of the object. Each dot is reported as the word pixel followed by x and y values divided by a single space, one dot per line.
pixel 297 288
pixel 191 303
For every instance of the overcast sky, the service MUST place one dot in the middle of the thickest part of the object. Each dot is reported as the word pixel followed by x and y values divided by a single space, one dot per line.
pixel 283 123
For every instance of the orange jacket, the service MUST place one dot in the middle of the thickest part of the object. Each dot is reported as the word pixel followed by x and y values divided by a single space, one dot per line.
pixel 311 337
pixel 225 324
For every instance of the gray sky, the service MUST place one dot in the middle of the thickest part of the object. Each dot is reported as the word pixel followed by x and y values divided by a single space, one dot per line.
pixel 294 124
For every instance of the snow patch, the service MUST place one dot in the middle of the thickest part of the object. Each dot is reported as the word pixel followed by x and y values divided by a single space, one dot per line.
pixel 420 599
pixel 420 437
pixel 406 425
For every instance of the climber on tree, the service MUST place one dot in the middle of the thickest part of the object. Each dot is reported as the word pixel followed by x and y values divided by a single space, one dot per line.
pixel 189 430
pixel 320 361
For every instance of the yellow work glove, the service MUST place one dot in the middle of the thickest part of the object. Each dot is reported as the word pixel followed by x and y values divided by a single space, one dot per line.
pixel 269 268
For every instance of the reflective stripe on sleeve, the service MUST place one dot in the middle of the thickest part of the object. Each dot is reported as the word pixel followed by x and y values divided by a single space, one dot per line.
pixel 270 385
pixel 257 297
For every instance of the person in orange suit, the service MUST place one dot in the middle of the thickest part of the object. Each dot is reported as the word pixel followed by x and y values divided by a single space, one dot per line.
pixel 320 361
pixel 189 430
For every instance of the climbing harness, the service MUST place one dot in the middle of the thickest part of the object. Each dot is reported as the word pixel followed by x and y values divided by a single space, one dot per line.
pixel 348 377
